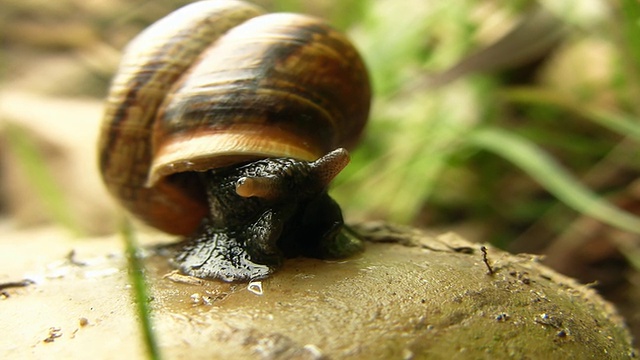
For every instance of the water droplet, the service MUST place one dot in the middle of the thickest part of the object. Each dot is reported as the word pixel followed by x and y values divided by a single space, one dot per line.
pixel 255 287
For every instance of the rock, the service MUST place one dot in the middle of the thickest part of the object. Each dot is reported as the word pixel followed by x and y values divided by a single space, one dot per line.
pixel 408 296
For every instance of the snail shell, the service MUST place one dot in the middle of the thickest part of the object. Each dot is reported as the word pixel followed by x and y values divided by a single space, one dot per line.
pixel 219 83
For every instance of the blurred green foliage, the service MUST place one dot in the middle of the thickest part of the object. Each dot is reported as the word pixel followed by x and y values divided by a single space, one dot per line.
pixel 478 118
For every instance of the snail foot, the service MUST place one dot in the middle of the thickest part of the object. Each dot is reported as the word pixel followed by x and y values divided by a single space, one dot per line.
pixel 216 255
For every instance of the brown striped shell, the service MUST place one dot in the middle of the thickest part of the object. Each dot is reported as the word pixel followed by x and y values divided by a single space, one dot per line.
pixel 217 83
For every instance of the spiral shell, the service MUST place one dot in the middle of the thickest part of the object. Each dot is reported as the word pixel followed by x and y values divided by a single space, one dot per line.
pixel 219 83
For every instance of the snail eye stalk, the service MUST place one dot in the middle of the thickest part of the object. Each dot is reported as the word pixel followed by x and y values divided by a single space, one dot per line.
pixel 329 166
pixel 265 187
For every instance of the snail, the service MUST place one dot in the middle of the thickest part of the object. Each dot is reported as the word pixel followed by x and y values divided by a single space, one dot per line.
pixel 226 125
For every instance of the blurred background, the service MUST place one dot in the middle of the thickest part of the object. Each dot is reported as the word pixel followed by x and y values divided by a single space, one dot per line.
pixel 515 123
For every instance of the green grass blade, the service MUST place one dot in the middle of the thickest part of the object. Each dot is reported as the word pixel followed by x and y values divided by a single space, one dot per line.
pixel 631 252
pixel 616 122
pixel 542 168
pixel 631 23
pixel 139 289
pixel 40 177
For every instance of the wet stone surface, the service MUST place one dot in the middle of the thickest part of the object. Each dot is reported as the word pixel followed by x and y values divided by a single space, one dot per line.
pixel 407 296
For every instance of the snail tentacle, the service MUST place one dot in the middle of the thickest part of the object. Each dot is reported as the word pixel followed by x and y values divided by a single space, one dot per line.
pixel 330 165
pixel 266 187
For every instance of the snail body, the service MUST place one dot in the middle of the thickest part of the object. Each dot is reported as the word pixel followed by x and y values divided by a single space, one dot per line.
pixel 226 125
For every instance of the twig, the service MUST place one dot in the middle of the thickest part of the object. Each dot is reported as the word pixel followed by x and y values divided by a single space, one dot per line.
pixel 13 284
pixel 486 261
